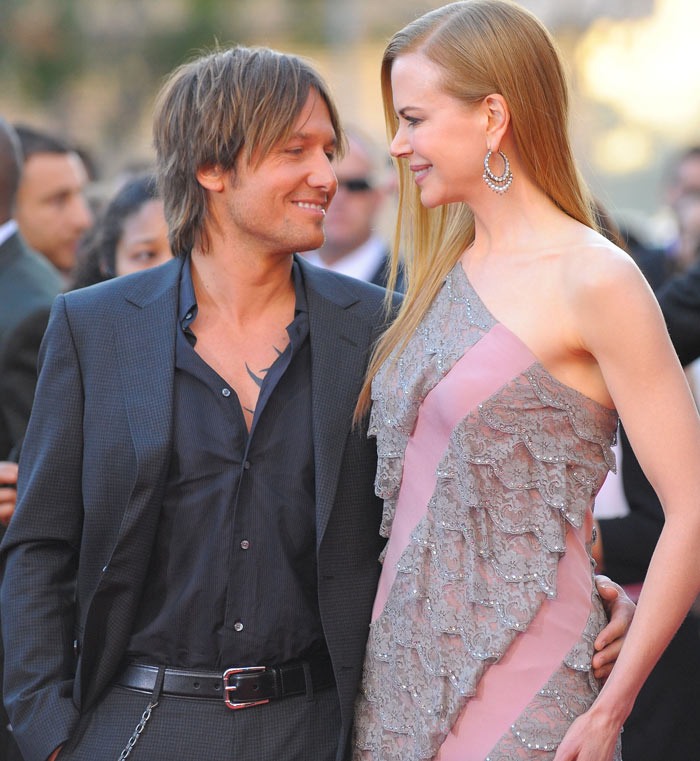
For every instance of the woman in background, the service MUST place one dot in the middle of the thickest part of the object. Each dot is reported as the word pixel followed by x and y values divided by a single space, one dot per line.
pixel 131 235
pixel 495 396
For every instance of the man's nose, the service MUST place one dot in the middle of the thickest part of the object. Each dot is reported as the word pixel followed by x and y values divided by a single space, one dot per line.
pixel 323 176
pixel 81 215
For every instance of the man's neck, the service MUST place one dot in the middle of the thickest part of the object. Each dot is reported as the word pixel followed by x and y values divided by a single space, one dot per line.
pixel 240 287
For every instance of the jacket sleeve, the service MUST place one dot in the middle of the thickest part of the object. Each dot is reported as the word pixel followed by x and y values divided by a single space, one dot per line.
pixel 39 553
pixel 680 303
pixel 629 542
pixel 18 374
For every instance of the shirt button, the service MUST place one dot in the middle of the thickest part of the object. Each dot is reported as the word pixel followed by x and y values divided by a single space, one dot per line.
pixel 246 465
pixel 188 316
pixel 245 544
pixel 238 626
pixel 226 392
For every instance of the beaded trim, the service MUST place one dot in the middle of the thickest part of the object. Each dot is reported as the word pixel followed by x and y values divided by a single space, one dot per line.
pixel 499 183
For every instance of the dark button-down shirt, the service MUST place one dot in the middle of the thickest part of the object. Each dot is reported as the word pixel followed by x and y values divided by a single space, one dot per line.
pixel 232 580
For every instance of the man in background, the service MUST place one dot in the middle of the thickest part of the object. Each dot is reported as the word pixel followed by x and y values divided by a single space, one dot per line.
pixel 685 176
pixel 353 246
pixel 52 212
pixel 27 283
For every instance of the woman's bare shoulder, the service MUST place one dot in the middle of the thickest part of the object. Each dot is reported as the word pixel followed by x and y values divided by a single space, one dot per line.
pixel 597 268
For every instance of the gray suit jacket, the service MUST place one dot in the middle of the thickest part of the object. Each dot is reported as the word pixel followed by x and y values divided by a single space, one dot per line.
pixel 27 283
pixel 92 474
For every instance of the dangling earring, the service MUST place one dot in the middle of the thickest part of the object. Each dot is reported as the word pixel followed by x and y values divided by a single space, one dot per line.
pixel 499 183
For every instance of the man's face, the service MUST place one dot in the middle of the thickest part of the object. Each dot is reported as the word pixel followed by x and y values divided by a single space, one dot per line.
pixel 352 214
pixel 686 181
pixel 278 206
pixel 51 210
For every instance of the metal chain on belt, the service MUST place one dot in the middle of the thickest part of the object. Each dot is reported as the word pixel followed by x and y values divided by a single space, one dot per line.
pixel 145 716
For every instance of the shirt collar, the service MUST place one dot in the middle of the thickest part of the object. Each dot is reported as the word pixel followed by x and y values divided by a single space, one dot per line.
pixel 187 310
pixel 362 263
pixel 7 230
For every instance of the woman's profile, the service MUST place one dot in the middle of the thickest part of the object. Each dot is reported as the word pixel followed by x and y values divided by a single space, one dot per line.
pixel 495 398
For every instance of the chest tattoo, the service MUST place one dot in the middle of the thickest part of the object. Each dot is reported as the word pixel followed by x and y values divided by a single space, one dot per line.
pixel 259 377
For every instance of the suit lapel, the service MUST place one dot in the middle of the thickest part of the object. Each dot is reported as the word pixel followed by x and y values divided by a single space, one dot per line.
pixel 146 359
pixel 339 346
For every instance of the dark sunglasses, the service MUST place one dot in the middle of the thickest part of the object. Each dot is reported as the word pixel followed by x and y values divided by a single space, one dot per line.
pixel 355 185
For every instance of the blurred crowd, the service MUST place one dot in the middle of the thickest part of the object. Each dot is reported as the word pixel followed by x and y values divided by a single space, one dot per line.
pixel 60 230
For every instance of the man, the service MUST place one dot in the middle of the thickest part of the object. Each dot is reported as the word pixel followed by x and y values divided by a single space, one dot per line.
pixel 352 246
pixel 192 564
pixel 679 299
pixel 685 176
pixel 52 212
pixel 27 282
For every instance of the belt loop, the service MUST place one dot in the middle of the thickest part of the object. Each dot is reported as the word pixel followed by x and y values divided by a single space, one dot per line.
pixel 155 697
pixel 307 678
pixel 145 716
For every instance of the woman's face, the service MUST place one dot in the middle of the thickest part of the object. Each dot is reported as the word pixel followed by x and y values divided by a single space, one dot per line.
pixel 144 240
pixel 443 139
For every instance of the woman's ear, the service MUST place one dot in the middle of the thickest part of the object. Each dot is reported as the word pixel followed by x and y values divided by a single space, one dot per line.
pixel 211 177
pixel 498 119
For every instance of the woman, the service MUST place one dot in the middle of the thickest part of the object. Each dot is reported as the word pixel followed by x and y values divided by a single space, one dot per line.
pixel 494 402
pixel 131 235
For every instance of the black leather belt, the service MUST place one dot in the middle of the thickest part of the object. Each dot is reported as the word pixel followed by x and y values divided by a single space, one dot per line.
pixel 239 687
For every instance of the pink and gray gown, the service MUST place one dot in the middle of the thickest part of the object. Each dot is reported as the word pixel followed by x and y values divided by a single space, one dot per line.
pixel 483 626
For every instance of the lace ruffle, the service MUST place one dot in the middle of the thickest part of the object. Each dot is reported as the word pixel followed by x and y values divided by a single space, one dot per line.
pixel 430 354
pixel 482 561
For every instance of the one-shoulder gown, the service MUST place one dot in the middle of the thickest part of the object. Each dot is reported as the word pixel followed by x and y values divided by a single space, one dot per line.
pixel 483 626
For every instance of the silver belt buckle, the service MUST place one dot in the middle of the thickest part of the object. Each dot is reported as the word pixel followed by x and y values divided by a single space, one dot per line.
pixel 231 688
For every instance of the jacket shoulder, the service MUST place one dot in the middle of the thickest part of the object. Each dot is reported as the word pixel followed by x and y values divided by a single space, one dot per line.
pixel 365 299
pixel 139 288
pixel 29 271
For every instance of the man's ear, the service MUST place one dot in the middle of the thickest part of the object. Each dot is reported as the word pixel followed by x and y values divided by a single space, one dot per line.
pixel 498 119
pixel 211 177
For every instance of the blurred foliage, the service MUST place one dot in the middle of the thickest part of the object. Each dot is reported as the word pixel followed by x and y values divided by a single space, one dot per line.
pixel 43 50
pixel 47 44
pixel 58 56
pixel 55 54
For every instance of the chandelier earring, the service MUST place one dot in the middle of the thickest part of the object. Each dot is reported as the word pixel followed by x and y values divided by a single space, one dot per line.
pixel 497 182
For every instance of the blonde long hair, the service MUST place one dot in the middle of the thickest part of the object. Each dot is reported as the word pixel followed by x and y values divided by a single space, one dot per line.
pixel 483 47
